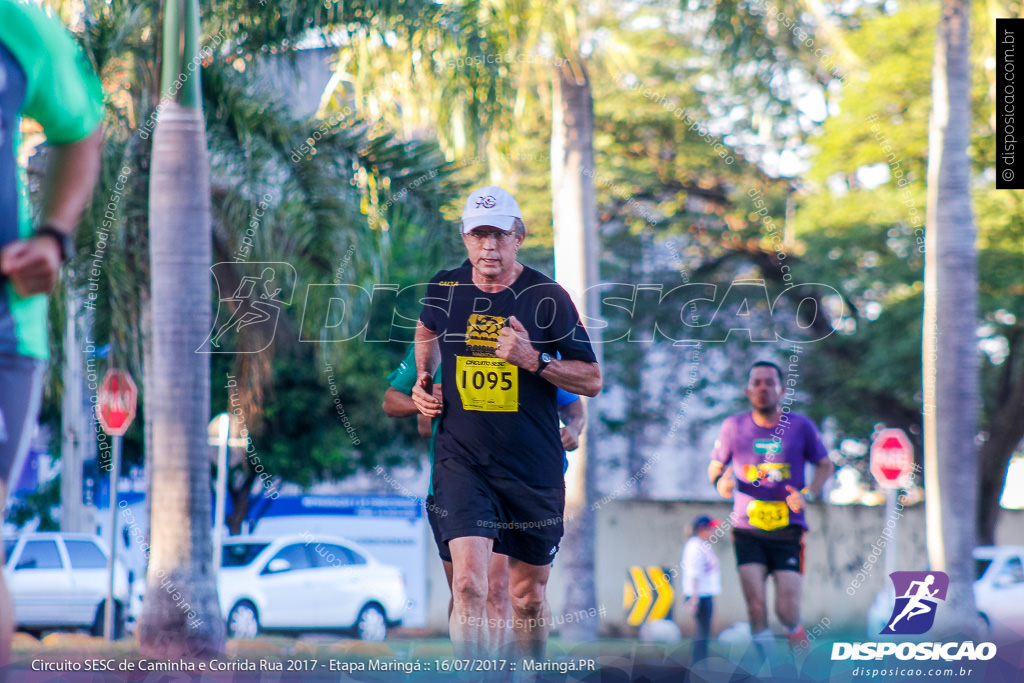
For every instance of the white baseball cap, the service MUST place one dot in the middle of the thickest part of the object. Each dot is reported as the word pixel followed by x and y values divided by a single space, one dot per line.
pixel 491 206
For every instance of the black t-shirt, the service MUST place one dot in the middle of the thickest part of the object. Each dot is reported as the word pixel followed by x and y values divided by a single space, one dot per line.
pixel 496 416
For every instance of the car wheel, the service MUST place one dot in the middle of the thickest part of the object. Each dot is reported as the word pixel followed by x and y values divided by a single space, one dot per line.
pixel 97 624
pixel 243 621
pixel 371 624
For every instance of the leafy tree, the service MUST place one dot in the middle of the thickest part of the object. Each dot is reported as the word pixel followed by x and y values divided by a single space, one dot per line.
pixel 873 236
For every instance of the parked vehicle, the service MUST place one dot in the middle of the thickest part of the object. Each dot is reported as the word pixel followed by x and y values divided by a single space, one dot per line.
pixel 999 590
pixel 305 583
pixel 59 580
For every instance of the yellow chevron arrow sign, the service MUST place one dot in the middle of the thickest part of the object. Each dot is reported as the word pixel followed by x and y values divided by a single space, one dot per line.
pixel 647 595
pixel 663 587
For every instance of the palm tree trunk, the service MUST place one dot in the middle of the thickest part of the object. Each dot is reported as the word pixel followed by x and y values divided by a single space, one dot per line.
pixel 182 616
pixel 574 209
pixel 950 314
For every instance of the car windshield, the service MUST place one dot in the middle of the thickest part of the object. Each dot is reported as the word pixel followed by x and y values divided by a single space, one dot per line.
pixel 241 554
pixel 981 566
pixel 9 544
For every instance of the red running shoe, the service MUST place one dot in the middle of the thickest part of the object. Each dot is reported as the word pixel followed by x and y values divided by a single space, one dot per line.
pixel 798 640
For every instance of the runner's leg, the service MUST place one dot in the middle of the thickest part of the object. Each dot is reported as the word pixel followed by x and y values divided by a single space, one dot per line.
pixel 752 578
pixel 527 587
pixel 471 556
pixel 21 380
pixel 787 597
pixel 448 576
pixel 499 606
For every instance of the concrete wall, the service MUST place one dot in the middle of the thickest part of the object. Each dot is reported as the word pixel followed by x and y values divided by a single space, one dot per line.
pixel 638 532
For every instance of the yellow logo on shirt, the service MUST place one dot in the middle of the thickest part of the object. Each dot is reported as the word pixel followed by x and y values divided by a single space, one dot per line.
pixel 767 472
pixel 482 333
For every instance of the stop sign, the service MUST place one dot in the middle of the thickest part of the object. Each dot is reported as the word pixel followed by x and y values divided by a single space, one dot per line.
pixel 892 458
pixel 115 402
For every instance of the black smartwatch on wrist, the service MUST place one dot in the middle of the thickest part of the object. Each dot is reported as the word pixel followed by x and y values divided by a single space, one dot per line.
pixel 544 361
pixel 65 242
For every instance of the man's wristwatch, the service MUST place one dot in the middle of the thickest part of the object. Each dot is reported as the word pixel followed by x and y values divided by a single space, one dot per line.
pixel 808 495
pixel 542 362
pixel 65 242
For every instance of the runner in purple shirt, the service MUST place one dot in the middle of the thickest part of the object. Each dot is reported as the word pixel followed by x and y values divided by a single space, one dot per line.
pixel 759 461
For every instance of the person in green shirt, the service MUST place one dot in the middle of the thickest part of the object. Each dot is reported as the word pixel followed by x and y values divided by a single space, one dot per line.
pixel 46 78
pixel 398 403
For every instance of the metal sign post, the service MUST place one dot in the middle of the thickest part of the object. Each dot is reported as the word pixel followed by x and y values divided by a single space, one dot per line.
pixel 115 410
pixel 892 461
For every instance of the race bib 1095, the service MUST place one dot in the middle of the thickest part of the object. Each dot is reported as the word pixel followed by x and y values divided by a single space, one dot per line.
pixel 487 384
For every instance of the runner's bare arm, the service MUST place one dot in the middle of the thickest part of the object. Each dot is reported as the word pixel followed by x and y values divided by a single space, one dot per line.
pixel 33 264
pixel 575 376
pixel 715 470
pixel 72 174
pixel 423 426
pixel 575 419
pixel 721 476
pixel 428 354
pixel 397 404
pixel 823 470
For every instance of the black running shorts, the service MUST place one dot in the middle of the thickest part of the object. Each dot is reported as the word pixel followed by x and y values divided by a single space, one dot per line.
pixel 21 390
pixel 433 517
pixel 524 521
pixel 782 549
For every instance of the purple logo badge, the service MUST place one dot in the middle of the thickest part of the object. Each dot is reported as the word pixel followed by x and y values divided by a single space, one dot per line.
pixel 917 596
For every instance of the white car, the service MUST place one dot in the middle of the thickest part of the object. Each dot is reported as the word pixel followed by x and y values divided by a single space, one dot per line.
pixel 59 580
pixel 305 583
pixel 999 590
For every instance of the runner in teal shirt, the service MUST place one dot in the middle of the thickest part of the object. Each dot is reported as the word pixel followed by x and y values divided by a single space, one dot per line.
pixel 44 77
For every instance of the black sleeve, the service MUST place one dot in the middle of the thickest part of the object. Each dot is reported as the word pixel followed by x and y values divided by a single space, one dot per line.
pixel 437 303
pixel 570 337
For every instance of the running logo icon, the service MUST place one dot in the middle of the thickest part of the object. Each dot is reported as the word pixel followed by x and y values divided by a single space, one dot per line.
pixel 250 299
pixel 917 596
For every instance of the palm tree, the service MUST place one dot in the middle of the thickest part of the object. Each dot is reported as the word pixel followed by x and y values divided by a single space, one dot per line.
pixel 181 616
pixel 574 209
pixel 950 347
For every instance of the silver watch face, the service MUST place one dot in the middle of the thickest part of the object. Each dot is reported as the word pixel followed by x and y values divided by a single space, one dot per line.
pixel 545 358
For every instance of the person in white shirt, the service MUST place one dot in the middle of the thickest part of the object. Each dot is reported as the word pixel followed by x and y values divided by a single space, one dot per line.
pixel 702 580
